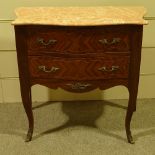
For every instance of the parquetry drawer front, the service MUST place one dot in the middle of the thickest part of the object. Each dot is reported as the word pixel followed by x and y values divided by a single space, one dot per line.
pixel 79 49
pixel 79 69
pixel 79 39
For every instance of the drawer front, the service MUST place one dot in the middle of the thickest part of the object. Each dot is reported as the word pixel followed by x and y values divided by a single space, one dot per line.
pixel 80 86
pixel 76 40
pixel 79 68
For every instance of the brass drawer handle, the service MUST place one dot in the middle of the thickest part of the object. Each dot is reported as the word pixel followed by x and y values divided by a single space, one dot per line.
pixel 105 69
pixel 78 86
pixel 52 70
pixel 49 42
pixel 106 42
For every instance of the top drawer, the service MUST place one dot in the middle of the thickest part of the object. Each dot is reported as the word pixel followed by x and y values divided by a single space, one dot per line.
pixel 78 40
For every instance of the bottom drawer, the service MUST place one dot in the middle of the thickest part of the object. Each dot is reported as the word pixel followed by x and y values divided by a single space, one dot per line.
pixel 79 68
pixel 80 86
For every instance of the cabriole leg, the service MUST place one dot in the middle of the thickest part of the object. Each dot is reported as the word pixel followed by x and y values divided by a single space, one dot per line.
pixel 130 110
pixel 27 103
pixel 127 126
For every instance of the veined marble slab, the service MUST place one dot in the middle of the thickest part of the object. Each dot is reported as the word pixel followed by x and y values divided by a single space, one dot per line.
pixel 80 16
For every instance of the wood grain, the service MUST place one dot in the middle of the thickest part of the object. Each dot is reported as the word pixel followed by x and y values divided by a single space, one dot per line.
pixel 78 40
pixel 79 68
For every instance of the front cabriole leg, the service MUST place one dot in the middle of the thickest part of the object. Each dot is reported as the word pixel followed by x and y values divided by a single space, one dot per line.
pixel 27 103
pixel 128 121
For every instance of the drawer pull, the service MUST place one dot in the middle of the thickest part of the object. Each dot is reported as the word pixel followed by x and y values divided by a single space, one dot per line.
pixel 105 69
pixel 52 70
pixel 78 86
pixel 106 42
pixel 49 42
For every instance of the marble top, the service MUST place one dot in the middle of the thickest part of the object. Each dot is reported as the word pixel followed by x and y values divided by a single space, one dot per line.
pixel 80 16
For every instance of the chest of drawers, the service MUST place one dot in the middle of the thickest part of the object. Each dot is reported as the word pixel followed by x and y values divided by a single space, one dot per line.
pixel 78 56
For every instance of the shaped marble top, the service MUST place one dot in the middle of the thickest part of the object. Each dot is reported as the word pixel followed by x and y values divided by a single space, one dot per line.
pixel 80 16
